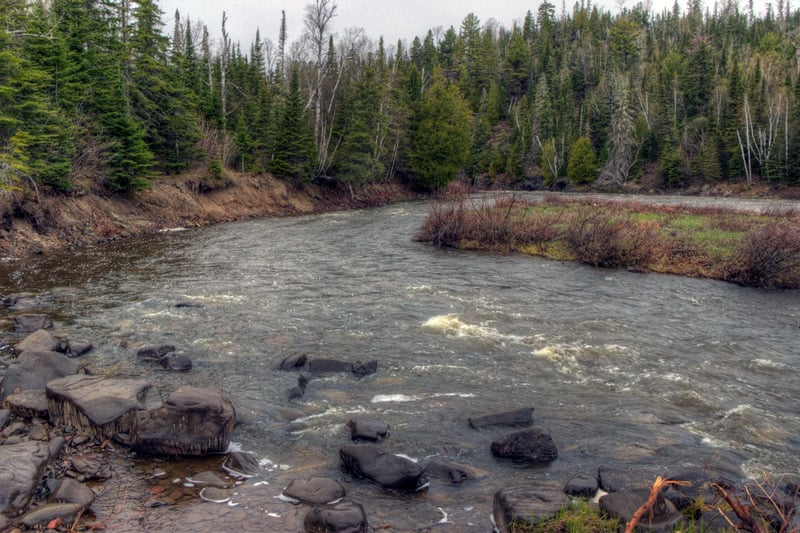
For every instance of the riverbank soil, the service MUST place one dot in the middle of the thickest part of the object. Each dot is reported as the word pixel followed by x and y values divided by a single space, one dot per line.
pixel 43 223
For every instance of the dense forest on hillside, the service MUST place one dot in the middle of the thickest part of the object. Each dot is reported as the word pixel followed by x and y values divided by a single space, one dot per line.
pixel 101 91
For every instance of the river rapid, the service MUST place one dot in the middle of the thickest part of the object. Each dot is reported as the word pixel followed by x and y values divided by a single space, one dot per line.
pixel 622 368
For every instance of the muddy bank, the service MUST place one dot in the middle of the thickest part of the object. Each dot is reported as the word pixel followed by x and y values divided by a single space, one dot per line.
pixel 89 214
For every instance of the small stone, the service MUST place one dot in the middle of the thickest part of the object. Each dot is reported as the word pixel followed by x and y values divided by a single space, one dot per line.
pixel 14 428
pixel 38 341
pixel 365 369
pixel 533 445
pixel 72 491
pixel 91 466
pixel 517 417
pixel 527 504
pixel 78 347
pixel 241 464
pixel 29 323
pixel 49 512
pixel 293 362
pixel 154 352
pixel 581 487
pixel 341 517
pixel 315 490
pixel 177 362
pixel 367 428
pixel 208 478
pixel 214 495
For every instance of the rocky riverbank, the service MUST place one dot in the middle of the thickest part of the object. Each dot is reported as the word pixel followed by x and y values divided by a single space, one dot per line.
pixel 68 437
pixel 41 224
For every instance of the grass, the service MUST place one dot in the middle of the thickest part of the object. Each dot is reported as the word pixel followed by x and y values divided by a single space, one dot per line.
pixel 758 249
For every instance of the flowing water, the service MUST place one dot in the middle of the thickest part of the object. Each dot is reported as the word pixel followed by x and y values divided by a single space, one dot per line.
pixel 622 368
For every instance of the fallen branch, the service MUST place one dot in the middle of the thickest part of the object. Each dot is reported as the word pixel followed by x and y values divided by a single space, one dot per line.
pixel 655 490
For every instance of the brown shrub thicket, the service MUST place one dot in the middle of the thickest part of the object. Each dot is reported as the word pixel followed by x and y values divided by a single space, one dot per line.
pixel 603 240
pixel 769 257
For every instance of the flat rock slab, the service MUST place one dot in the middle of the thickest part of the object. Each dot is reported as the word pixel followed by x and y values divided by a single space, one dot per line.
pixel 103 407
pixel 78 347
pixel 452 472
pixel 613 479
pixel 29 323
pixel 295 361
pixel 71 491
pixel 662 517
pixel 27 404
pixel 367 428
pixel 241 464
pixel 38 341
pixel 517 417
pixel 315 490
pixel 192 421
pixel 341 517
pixel 49 512
pixel 581 487
pixel 388 470
pixel 527 504
pixel 532 445
pixel 21 469
pixel 91 466
pixel 33 370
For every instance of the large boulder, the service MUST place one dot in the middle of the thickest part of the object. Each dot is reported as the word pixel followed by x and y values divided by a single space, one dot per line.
pixel 103 407
pixel 38 341
pixel 388 470
pixel 341 517
pixel 517 417
pixel 623 504
pixel 532 445
pixel 527 505
pixel 33 370
pixel 192 421
pixel 21 469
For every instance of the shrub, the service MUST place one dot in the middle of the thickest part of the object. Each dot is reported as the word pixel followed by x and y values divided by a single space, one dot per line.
pixel 602 240
pixel 769 257
pixel 443 225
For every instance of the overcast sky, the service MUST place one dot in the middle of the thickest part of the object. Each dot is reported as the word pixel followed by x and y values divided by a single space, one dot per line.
pixel 392 19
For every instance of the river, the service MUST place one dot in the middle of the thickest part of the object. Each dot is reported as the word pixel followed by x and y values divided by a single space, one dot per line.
pixel 621 367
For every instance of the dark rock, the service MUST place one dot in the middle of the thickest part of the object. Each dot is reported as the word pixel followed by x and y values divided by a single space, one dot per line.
pixel 613 478
pixel 662 516
pixel 386 469
pixel 188 303
pixel 364 427
pixel 341 517
pixel 29 323
pixel 322 366
pixel 34 369
pixel 454 473
pixel 695 484
pixel 192 421
pixel 71 491
pixel 581 487
pixel 154 353
pixel 299 390
pixel 91 466
pixel 176 361
pixel 527 504
pixel 103 407
pixel 14 428
pixel 27 404
pixel 716 521
pixel 38 341
pixel 55 445
pixel 78 347
pixel 208 478
pixel 241 464
pixel 293 362
pixel 315 490
pixel 5 414
pixel 21 469
pixel 518 417
pixel 533 445
pixel 51 511
pixel 365 369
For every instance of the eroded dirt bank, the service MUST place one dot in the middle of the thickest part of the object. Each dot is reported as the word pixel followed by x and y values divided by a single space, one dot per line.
pixel 30 225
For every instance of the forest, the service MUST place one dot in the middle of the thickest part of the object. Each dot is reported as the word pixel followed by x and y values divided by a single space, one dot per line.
pixel 113 93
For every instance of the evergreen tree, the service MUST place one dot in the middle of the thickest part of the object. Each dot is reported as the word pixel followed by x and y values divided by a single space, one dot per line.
pixel 293 151
pixel 582 164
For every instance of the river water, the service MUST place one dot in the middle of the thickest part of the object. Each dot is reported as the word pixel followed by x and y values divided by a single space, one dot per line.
pixel 622 368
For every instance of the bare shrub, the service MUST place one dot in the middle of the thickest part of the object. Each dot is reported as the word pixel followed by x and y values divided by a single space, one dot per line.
pixel 602 240
pixel 537 229
pixel 769 257
pixel 444 224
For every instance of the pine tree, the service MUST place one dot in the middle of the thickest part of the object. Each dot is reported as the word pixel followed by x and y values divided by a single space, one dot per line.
pixel 293 151
pixel 582 164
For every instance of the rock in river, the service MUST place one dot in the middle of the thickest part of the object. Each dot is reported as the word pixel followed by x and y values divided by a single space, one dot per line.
pixel 21 469
pixel 367 428
pixel 341 517
pixel 534 445
pixel 388 470
pixel 38 341
pixel 315 490
pixel 34 369
pixel 517 417
pixel 527 504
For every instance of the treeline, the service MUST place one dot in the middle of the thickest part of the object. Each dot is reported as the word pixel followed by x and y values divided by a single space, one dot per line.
pixel 97 90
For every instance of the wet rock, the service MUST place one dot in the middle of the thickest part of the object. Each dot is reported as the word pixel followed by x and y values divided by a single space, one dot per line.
pixel 5 414
pixel 78 347
pixel 517 417
pixel 694 484
pixel 27 404
pixel 103 407
pixel 192 421
pixel 716 521
pixel 293 362
pixel 324 366
pixel 386 469
pixel 188 303
pixel 55 445
pixel 208 478
pixel 214 495
pixel 21 469
pixel 454 473
pixel 662 516
pixel 367 428
pixel 533 445
pixel 29 323
pixel 177 362
pixel 299 390
pixel 91 466
pixel 71 491
pixel 154 353
pixel 365 369
pixel 527 504
pixel 315 490
pixel 341 517
pixel 38 341
pixel 15 428
pixel 51 511
pixel 38 432
pixel 33 370
pixel 241 464
pixel 613 478
pixel 581 487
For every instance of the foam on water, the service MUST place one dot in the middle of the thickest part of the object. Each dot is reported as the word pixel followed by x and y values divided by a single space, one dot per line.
pixel 381 398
